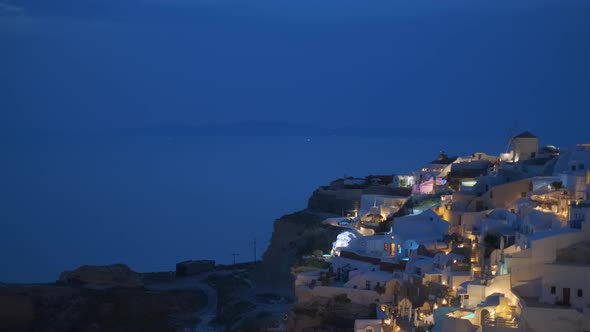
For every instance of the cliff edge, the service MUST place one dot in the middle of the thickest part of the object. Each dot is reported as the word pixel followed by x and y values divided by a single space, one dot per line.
pixel 294 235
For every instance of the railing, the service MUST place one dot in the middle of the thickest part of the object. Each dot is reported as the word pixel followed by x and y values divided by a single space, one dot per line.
pixel 500 322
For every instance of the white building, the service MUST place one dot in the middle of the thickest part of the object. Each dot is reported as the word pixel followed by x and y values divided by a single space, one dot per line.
pixel 403 181
pixel 385 205
pixel 565 281
pixel 524 146
pixel 433 168
pixel 406 235
pixel 526 265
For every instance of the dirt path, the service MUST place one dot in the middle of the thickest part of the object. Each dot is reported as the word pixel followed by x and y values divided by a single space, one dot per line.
pixel 205 315
pixel 208 313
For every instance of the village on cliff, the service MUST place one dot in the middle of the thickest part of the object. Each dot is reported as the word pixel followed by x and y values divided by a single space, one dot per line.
pixel 472 243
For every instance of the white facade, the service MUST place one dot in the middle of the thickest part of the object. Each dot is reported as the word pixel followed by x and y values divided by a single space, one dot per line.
pixel 403 181
pixel 428 172
pixel 386 205
pixel 528 264
pixel 368 325
pixel 525 146
pixel 566 284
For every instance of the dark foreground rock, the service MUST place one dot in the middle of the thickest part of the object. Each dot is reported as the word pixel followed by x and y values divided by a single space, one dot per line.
pixel 56 308
pixel 321 314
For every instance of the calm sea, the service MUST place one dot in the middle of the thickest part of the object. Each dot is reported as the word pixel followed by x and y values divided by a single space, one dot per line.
pixel 150 202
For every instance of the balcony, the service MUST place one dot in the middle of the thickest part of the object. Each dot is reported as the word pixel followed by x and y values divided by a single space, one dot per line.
pixel 500 322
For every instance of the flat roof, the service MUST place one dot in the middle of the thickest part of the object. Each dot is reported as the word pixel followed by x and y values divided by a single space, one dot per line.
pixel 546 234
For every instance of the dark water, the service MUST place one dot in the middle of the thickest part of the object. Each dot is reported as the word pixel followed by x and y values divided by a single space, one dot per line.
pixel 153 201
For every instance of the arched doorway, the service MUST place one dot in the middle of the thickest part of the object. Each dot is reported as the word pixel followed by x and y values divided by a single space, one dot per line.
pixel 485 315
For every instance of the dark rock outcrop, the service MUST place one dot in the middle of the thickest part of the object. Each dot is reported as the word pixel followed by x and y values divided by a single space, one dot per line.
pixel 117 275
pixel 193 267
pixel 293 235
pixel 327 315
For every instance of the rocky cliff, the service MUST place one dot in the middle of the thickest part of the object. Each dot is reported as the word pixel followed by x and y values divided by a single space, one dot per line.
pixel 294 235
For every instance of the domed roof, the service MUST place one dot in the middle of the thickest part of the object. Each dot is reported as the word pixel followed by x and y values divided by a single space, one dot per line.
pixel 525 134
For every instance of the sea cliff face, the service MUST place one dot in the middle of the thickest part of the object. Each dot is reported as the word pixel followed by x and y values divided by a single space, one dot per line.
pixel 294 235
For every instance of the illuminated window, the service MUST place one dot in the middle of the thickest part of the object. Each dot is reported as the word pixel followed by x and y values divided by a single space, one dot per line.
pixel 385 246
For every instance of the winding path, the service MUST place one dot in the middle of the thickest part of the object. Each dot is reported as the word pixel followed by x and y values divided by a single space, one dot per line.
pixel 208 313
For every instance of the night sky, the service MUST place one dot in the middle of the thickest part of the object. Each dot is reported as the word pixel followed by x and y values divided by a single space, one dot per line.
pixel 98 64
pixel 465 74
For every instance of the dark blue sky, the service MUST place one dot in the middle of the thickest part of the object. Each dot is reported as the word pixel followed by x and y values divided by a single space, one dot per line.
pixel 464 65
